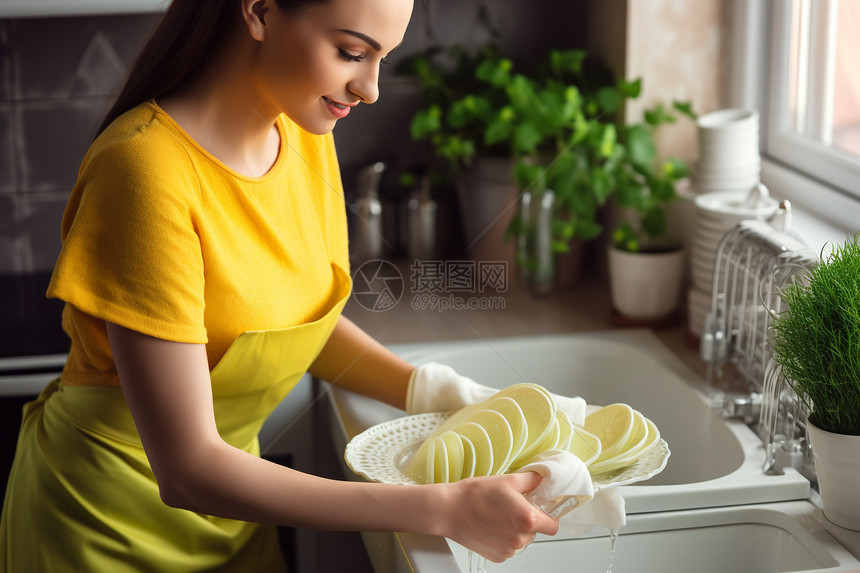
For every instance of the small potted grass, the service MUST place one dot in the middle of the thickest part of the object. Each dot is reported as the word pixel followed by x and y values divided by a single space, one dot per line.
pixel 817 344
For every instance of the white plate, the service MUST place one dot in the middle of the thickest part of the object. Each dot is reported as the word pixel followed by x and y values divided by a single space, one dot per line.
pixel 715 226
pixel 728 120
pixel 381 452
pixel 714 235
pixel 736 205
pixel 703 279
pixel 705 247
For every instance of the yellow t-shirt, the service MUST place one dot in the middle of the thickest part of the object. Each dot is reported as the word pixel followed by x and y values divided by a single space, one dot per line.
pixel 162 238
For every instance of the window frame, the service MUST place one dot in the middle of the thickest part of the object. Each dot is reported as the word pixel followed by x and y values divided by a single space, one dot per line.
pixel 817 179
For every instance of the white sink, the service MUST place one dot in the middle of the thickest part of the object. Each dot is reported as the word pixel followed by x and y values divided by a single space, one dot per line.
pixel 686 519
pixel 714 462
pixel 772 538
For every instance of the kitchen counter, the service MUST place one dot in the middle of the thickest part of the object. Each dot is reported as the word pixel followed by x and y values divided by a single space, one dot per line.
pixel 584 307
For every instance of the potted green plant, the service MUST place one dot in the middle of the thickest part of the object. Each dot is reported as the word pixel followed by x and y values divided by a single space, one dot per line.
pixel 461 117
pixel 565 140
pixel 816 342
pixel 646 264
pixel 549 132
pixel 572 118
pixel 555 136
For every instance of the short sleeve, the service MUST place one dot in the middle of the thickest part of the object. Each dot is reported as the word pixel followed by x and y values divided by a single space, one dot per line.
pixel 131 252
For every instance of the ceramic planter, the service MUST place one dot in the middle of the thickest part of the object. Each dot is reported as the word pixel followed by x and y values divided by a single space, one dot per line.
pixel 837 466
pixel 487 195
pixel 646 285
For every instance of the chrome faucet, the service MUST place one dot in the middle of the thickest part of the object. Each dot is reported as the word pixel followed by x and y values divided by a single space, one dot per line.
pixel 746 407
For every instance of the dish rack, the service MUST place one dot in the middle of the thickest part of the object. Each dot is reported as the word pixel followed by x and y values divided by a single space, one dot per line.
pixel 754 260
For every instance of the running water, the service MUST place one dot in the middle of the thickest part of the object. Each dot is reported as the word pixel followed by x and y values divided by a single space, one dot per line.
pixel 613 539
pixel 477 563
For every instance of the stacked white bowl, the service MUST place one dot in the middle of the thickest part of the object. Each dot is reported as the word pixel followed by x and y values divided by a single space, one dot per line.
pixel 717 213
pixel 726 189
pixel 729 157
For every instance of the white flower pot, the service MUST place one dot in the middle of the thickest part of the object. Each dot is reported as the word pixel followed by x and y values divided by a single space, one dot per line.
pixel 646 285
pixel 837 466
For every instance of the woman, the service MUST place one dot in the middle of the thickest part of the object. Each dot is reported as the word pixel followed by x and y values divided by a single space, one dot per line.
pixel 204 270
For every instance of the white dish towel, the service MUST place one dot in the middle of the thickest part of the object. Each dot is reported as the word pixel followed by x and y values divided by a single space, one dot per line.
pixel 564 474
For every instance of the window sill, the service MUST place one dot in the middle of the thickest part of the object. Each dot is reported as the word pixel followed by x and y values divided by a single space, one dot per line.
pixel 820 214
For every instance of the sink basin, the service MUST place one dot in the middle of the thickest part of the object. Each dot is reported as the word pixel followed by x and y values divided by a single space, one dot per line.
pixel 771 538
pixel 714 461
pixel 715 466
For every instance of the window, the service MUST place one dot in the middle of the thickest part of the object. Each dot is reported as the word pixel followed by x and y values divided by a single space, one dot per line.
pixel 796 62
pixel 824 77
pixel 813 103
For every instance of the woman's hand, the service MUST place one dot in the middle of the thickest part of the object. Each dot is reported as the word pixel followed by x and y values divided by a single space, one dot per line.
pixel 491 516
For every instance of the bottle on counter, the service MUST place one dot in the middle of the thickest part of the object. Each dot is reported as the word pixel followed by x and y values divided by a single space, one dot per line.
pixel 368 242
pixel 537 260
pixel 421 223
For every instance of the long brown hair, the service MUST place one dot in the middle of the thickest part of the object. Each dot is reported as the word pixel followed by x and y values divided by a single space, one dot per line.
pixel 189 32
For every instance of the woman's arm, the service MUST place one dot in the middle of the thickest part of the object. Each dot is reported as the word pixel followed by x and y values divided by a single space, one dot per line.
pixel 352 359
pixel 168 390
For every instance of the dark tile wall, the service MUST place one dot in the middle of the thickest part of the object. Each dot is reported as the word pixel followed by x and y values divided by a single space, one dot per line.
pixel 56 77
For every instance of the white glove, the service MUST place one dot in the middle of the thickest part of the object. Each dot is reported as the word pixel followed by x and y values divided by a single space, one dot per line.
pixel 435 387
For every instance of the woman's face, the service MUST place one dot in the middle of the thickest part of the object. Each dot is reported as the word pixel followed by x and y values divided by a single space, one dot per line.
pixel 318 64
